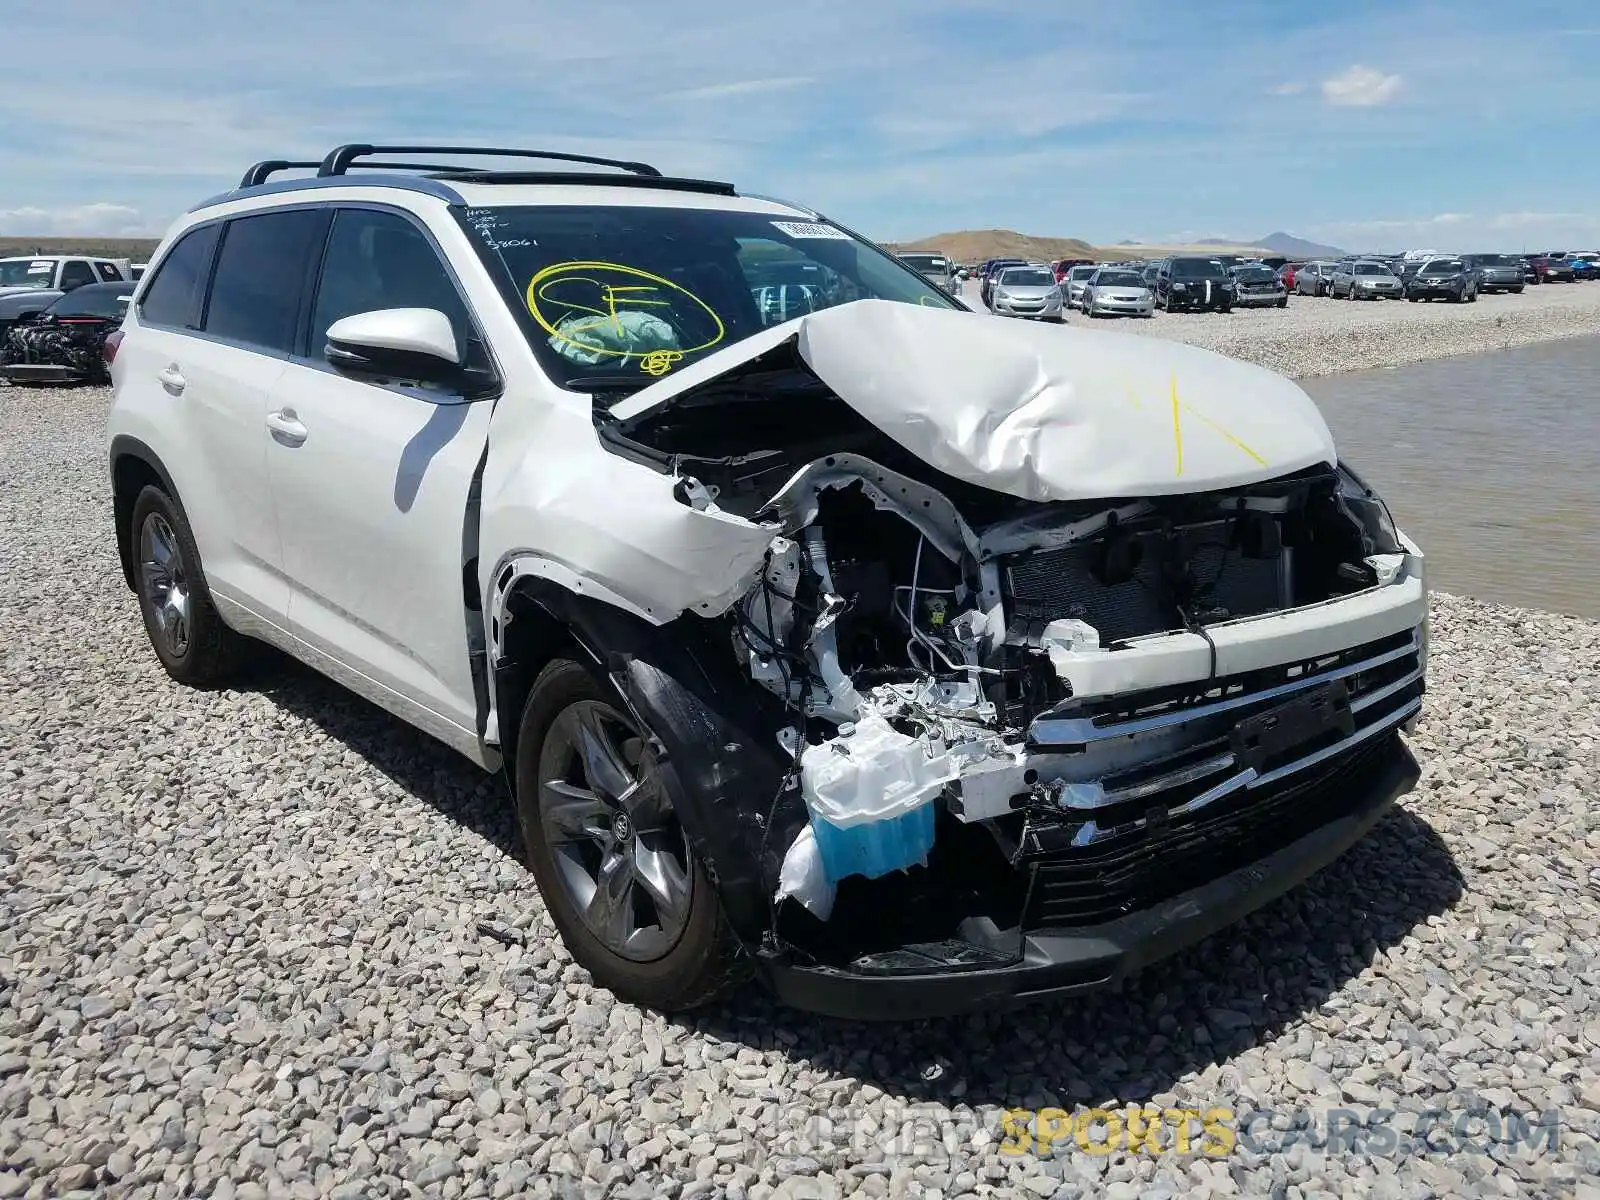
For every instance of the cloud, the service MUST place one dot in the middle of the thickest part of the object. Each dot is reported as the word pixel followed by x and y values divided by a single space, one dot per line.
pixel 742 87
pixel 1468 231
pixel 84 220
pixel 1290 88
pixel 1360 87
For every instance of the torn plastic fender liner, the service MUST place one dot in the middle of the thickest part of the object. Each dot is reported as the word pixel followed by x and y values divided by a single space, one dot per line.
pixel 722 758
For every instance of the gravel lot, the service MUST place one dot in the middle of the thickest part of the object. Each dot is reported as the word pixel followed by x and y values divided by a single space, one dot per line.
pixel 240 951
pixel 1321 336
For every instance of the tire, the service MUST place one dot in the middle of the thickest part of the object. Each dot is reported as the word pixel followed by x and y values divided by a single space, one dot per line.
pixel 1413 299
pixel 691 955
pixel 1516 291
pixel 1284 303
pixel 183 625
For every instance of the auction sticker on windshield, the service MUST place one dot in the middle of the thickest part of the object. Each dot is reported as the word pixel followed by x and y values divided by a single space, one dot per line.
pixel 810 229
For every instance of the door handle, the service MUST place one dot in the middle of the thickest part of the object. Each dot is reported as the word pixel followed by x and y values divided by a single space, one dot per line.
pixel 286 427
pixel 172 379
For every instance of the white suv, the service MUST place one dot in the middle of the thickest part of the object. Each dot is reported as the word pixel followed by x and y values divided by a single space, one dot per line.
pixel 913 660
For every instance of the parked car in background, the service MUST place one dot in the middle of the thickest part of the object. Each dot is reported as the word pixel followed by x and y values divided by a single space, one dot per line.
pixel 1585 264
pixel 1117 292
pixel 1028 291
pixel 136 272
pixel 1062 265
pixel 18 306
pixel 1276 261
pixel 60 272
pixel 1366 279
pixel 987 274
pixel 1072 283
pixel 1312 278
pixel 1258 286
pixel 1496 272
pixel 1188 283
pixel 1550 269
pixel 1147 274
pixel 65 343
pixel 1443 279
pixel 1287 274
pixel 936 268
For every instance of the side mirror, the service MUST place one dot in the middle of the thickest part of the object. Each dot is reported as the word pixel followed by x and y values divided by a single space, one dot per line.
pixel 407 345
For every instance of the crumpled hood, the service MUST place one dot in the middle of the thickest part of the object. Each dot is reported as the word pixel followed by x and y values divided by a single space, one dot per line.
pixel 1041 412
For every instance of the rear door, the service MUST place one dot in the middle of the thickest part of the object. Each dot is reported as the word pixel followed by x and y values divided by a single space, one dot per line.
pixel 199 403
pixel 372 485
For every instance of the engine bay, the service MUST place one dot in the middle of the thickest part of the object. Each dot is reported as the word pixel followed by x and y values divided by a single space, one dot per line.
pixel 920 629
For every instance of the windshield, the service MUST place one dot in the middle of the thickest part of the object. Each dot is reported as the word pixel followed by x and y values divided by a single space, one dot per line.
pixel 1118 279
pixel 633 293
pixel 1197 268
pixel 925 262
pixel 1494 260
pixel 1371 269
pixel 1256 275
pixel 1441 266
pixel 26 272
pixel 1026 277
pixel 1080 273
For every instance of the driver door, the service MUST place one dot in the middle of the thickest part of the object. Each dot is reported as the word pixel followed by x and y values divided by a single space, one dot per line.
pixel 371 483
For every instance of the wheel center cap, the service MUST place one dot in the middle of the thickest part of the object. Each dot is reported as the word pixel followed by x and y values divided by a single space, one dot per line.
pixel 621 827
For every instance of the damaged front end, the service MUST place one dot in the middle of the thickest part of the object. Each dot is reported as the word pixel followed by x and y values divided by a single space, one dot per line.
pixel 1033 742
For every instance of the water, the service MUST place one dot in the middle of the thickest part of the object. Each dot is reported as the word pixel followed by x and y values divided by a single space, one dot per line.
pixel 1490 462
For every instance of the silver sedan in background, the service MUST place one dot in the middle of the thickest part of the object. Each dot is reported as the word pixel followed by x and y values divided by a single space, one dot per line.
pixel 1029 291
pixel 1366 279
pixel 1072 286
pixel 1117 292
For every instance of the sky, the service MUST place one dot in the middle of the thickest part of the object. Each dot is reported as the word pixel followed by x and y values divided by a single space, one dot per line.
pixel 1370 124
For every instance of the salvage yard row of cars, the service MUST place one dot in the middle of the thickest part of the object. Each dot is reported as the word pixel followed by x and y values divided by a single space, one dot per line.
pixel 1188 283
pixel 821 630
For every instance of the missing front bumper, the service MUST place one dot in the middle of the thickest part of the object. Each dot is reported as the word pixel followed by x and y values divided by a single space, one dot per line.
pixel 1052 961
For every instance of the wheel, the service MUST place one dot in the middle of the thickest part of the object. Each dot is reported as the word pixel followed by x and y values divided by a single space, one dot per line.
pixel 1284 303
pixel 1516 291
pixel 184 628
pixel 1413 299
pixel 632 903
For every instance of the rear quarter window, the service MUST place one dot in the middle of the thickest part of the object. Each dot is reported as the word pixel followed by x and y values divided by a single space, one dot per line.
pixel 172 296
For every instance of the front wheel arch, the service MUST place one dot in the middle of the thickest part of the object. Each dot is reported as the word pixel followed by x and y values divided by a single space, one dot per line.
pixel 682 684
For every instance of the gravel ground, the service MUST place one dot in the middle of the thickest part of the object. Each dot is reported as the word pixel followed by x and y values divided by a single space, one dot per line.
pixel 1321 336
pixel 240 955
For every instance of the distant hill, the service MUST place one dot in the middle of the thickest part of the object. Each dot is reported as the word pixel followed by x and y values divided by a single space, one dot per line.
pixel 1287 245
pixel 975 245
pixel 135 249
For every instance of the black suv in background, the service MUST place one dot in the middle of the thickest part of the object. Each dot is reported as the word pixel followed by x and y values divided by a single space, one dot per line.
pixel 1194 284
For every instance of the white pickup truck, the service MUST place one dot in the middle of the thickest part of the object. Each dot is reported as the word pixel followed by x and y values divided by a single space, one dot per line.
pixel 59 272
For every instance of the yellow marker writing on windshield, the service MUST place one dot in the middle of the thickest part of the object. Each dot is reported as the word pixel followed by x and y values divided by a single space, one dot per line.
pixel 600 293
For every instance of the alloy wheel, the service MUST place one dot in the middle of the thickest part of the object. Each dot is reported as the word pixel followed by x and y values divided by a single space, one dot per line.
pixel 618 849
pixel 166 585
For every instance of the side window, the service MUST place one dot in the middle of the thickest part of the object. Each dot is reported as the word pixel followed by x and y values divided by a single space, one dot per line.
pixel 108 272
pixel 262 269
pixel 173 296
pixel 75 274
pixel 381 260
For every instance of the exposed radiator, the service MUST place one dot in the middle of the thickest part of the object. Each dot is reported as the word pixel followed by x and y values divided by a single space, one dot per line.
pixel 1054 584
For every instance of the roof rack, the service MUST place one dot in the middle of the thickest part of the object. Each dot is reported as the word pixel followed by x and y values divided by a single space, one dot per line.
pixel 342 158
pixel 263 171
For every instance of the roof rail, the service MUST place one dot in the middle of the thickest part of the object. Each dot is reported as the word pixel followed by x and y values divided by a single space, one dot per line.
pixel 342 158
pixel 264 171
